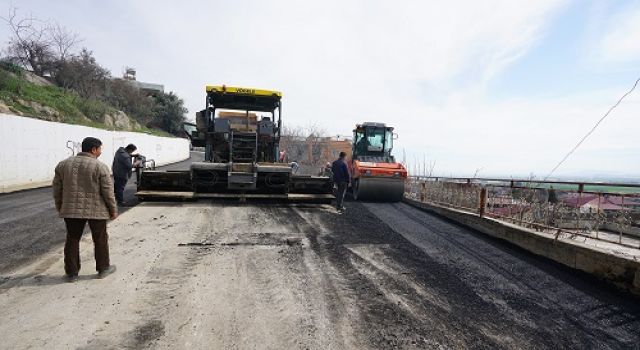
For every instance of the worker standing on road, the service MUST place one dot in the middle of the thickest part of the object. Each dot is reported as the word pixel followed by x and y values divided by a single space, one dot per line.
pixel 83 191
pixel 121 168
pixel 341 178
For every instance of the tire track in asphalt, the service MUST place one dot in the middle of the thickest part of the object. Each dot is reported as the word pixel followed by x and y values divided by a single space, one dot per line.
pixel 380 321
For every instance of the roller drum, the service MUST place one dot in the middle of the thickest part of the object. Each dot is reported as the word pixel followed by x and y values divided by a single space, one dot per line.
pixel 379 189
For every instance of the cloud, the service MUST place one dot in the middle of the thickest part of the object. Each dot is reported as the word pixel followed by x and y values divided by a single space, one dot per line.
pixel 424 67
pixel 340 56
pixel 519 136
pixel 620 40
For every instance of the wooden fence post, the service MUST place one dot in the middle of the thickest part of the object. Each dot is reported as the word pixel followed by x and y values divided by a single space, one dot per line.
pixel 483 202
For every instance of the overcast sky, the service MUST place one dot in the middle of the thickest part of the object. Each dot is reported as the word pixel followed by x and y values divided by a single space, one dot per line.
pixel 503 87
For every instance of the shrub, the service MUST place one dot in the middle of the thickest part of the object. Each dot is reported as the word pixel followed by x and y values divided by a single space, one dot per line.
pixel 8 83
pixel 11 67
pixel 129 99
pixel 92 109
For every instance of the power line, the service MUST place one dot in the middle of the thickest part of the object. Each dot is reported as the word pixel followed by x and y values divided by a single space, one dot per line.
pixel 592 129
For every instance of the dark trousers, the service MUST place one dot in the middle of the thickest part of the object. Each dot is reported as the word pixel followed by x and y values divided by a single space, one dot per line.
pixel 118 188
pixel 342 189
pixel 75 228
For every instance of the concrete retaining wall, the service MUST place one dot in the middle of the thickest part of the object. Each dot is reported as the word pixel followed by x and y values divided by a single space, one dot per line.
pixel 31 148
pixel 621 271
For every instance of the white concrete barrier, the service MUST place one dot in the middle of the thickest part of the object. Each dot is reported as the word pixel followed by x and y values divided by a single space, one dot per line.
pixel 31 148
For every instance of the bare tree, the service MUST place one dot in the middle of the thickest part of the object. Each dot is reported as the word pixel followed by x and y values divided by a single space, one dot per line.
pixel 419 167
pixel 291 144
pixel 475 173
pixel 317 142
pixel 38 45
pixel 431 167
pixel 305 145
pixel 63 40
pixel 29 44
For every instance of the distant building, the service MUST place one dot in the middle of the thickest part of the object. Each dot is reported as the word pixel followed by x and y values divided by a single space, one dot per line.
pixel 314 150
pixel 591 203
pixel 150 88
pixel 338 144
pixel 575 201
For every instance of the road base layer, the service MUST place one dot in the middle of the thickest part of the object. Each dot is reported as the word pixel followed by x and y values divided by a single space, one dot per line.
pixel 231 275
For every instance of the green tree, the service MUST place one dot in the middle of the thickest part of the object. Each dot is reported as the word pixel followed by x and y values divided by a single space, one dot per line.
pixel 82 74
pixel 169 113
pixel 131 100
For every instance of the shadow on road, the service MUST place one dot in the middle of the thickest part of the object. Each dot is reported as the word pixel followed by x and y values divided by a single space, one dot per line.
pixel 35 280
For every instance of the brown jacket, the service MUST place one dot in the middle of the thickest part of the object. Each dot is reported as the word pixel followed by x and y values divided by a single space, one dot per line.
pixel 82 188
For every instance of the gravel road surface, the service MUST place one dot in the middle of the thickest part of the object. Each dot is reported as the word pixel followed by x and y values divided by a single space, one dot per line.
pixel 225 275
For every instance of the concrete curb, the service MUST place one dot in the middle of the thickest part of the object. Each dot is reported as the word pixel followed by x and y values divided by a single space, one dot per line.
pixel 616 269
pixel 24 187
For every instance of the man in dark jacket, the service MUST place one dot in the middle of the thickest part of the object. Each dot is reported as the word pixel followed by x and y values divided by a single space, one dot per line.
pixel 121 168
pixel 341 178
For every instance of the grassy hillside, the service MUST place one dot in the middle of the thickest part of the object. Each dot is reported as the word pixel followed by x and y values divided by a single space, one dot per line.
pixel 24 94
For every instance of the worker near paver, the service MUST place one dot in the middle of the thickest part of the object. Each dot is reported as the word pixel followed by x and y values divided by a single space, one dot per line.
pixel 341 178
pixel 122 167
pixel 83 192
pixel 326 170
pixel 294 167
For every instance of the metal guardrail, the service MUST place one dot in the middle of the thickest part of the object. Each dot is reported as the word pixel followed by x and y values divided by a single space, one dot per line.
pixel 608 212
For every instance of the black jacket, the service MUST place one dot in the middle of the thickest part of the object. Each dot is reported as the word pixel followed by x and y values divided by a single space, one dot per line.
pixel 122 164
pixel 340 171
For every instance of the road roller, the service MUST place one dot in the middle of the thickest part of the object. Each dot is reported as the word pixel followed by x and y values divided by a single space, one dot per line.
pixel 376 176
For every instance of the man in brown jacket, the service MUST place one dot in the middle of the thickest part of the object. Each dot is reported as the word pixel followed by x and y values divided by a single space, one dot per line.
pixel 83 191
